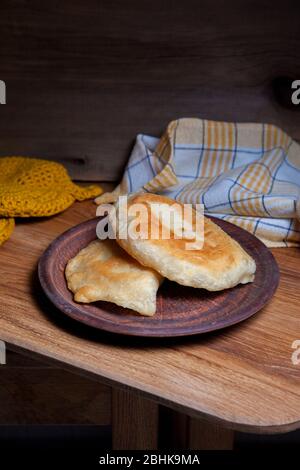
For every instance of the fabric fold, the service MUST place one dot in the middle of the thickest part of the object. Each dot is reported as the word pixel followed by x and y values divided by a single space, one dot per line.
pixel 246 173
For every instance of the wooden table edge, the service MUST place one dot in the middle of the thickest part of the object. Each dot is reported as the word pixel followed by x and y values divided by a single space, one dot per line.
pixel 272 428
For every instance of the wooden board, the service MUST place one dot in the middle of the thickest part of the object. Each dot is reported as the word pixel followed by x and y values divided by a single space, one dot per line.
pixel 84 78
pixel 181 311
pixel 179 431
pixel 242 377
pixel 134 422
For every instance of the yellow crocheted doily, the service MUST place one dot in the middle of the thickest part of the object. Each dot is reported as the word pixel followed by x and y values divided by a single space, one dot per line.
pixel 31 187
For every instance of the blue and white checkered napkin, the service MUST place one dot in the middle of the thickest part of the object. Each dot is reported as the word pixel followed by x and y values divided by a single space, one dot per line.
pixel 248 174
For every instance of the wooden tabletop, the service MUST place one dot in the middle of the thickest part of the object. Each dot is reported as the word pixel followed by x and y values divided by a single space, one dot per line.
pixel 242 377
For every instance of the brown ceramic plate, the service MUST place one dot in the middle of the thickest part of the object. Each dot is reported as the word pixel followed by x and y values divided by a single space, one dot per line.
pixel 180 310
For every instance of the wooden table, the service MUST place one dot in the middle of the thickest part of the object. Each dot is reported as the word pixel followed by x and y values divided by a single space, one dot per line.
pixel 242 378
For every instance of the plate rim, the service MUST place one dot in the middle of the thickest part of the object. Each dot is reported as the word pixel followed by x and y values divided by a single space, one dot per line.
pixel 75 312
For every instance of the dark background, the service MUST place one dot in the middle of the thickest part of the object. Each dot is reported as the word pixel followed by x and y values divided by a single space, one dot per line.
pixel 84 77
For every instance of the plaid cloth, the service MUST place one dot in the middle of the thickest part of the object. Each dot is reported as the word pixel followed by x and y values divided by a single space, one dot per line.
pixel 248 174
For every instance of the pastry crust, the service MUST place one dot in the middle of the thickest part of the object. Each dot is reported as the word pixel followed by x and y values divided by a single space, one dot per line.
pixel 220 264
pixel 103 271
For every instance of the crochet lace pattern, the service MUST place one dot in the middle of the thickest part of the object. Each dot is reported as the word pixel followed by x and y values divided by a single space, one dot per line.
pixel 32 187
pixel 6 228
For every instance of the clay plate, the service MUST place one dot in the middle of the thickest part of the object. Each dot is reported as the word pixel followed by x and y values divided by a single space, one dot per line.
pixel 181 311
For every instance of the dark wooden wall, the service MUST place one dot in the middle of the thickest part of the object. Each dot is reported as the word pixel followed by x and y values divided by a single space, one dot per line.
pixel 85 76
